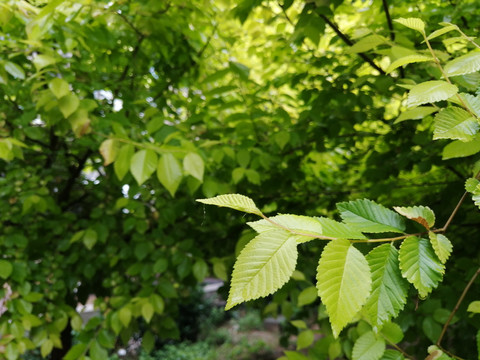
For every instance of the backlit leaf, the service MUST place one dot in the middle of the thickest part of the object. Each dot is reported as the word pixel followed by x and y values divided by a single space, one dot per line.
pixel 109 151
pixel 455 123
pixel 343 281
pixel 193 165
pixel 169 172
pixel 442 31
pixel 339 230
pixel 417 113
pixel 392 332
pixel 389 289
pixel 46 347
pixel 368 216
pixel 390 354
pixel 40 61
pixel 68 104
pixel 419 265
pixel 59 87
pixel 125 315
pixel 233 201
pixel 367 43
pixel 441 245
pixel 368 347
pixel 472 102
pixel 457 148
pixel 412 23
pixel 264 265
pixel 122 162
pixel 409 59
pixel 299 224
pixel 430 92
pixel 307 296
pixel 421 214
pixel 15 70
pixel 305 339
pixel 465 64
pixel 474 307
pixel 147 311
pixel 143 164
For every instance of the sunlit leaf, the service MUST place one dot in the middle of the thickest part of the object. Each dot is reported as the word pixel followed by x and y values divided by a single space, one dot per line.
pixel 419 265
pixel 441 245
pixel 421 214
pixel 465 64
pixel 409 59
pixel 15 70
pixel 233 201
pixel 455 123
pixel 430 92
pixel 368 347
pixel 122 162
pixel 68 104
pixel 193 165
pixel 264 265
pixel 143 164
pixel 367 43
pixel 343 281
pixel 109 151
pixel 457 149
pixel 59 87
pixel 442 31
pixel 417 113
pixel 169 173
pixel 412 23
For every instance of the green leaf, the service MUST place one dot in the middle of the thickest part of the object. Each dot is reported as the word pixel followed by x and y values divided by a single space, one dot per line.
pixel 335 229
pixel 109 151
pixel 97 352
pixel 419 265
pixel 76 352
pixel 478 344
pixel 465 64
pixel 367 43
pixel 389 289
pixel 343 281
pixel 307 296
pixel 169 173
pixel 41 61
pixel 200 270
pixel 264 265
pixel 409 59
pixel 299 224
pixel 193 165
pixel 68 104
pixel 474 307
pixel 441 245
pixel 125 315
pixel 442 31
pixel 421 214
pixel 305 339
pixel 46 348
pixel 148 341
pixel 471 184
pixel 233 201
pixel 368 216
pixel 368 347
pixel 457 149
pixel 472 102
pixel 417 113
pixel 430 92
pixel 392 332
pixel 412 23
pixel 143 164
pixel 89 238
pixel 6 269
pixel 59 87
pixel 390 354
pixel 282 138
pixel 122 162
pixel 15 70
pixel 147 311
pixel 455 123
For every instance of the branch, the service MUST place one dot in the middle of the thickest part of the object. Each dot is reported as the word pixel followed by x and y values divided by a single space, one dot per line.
pixel 75 172
pixel 457 305
pixel 392 31
pixel 349 42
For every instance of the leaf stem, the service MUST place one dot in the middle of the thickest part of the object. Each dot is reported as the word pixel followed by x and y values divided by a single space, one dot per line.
pixel 457 305
pixel 398 348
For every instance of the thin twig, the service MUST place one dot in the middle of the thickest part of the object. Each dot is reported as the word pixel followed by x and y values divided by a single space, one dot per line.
pixel 457 305
pixel 398 348
pixel 349 42
pixel 392 31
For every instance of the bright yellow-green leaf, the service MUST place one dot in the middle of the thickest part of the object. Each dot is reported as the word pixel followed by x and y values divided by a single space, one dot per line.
pixel 409 59
pixel 264 265
pixel 457 149
pixel 122 162
pixel 46 347
pixel 421 214
pixel 169 172
pixel 417 113
pixel 442 31
pixel 441 245
pixel 193 165
pixel 343 281
pixel 455 123
pixel 430 92
pixel 419 265
pixel 40 61
pixel 125 315
pixel 335 229
pixel 367 43
pixel 143 164
pixel 59 87
pixel 307 296
pixel 15 70
pixel 412 23
pixel 68 104
pixel 109 151
pixel 392 332
pixel 147 311
pixel 474 307
pixel 233 201
pixel 465 64
pixel 80 122
pixel 305 339
pixel 368 347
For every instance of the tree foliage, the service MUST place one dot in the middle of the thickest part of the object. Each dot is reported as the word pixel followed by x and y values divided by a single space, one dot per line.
pixel 115 116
